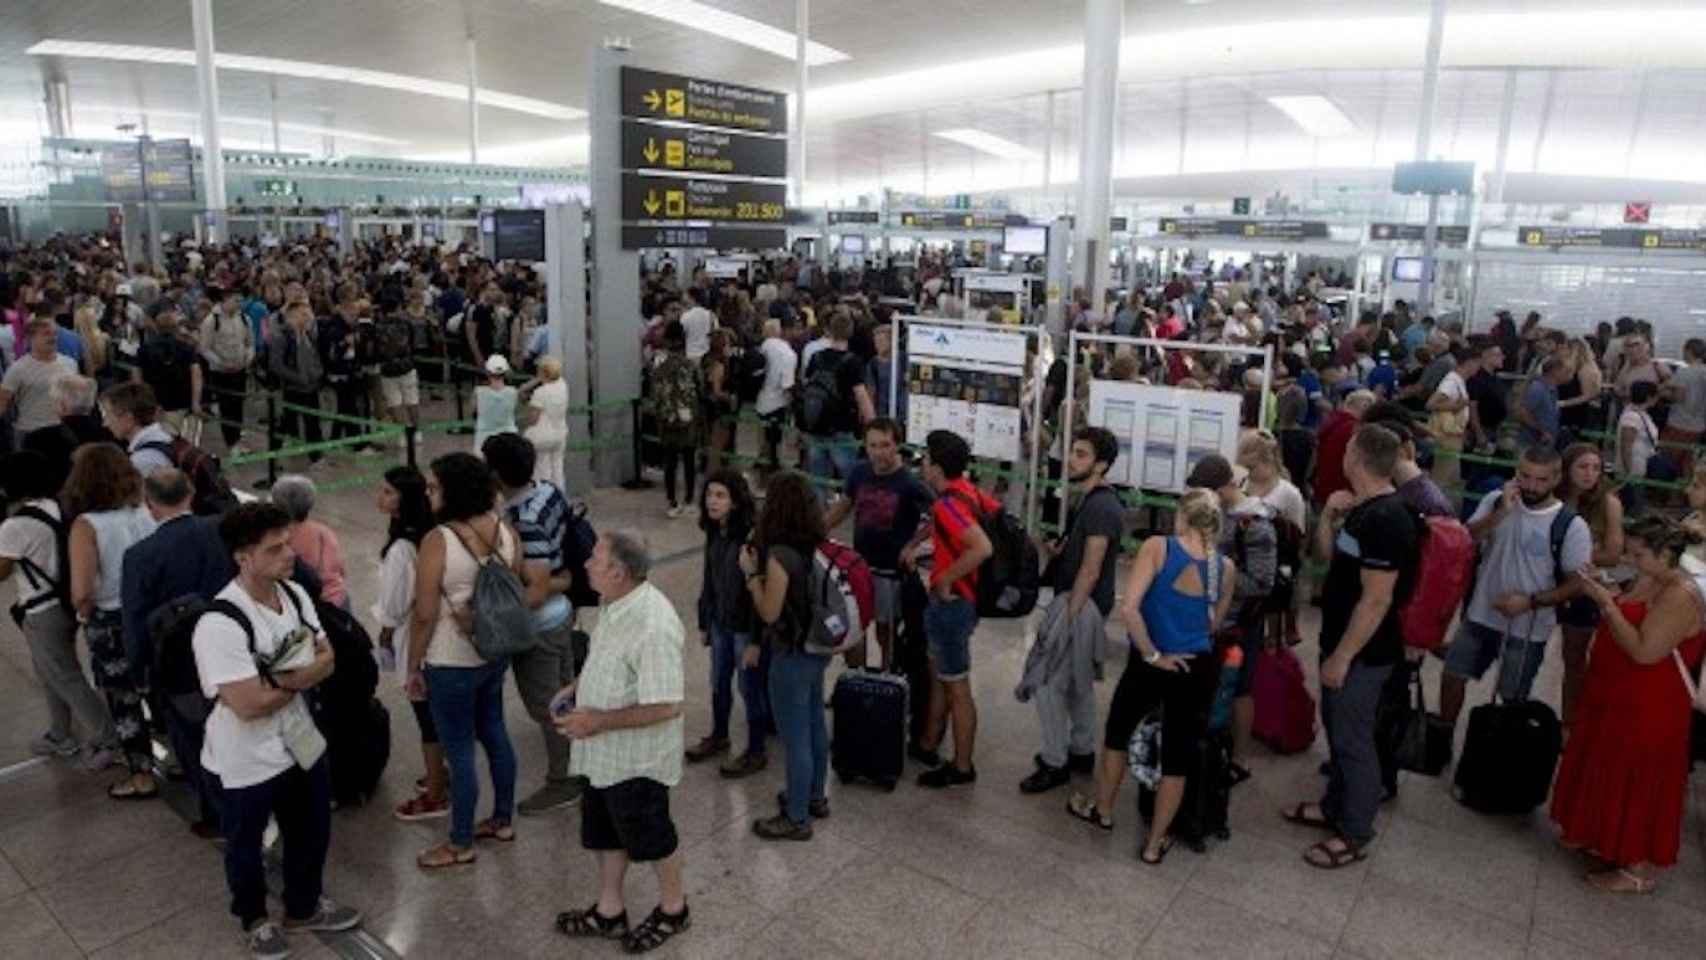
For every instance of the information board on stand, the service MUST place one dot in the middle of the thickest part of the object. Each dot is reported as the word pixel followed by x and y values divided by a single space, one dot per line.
pixel 675 125
pixel 1163 431
pixel 967 381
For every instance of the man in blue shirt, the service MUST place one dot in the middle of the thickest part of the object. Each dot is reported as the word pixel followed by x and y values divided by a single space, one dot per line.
pixel 183 557
pixel 1538 414
pixel 1383 379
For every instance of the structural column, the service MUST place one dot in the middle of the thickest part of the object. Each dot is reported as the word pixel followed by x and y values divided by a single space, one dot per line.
pixel 1104 27
pixel 1424 145
pixel 207 84
pixel 615 363
pixel 802 23
pixel 473 102
pixel 272 97
pixel 1501 158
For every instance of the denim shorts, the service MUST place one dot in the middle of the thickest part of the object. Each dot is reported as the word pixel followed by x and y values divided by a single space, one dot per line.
pixel 885 593
pixel 948 628
pixel 1477 647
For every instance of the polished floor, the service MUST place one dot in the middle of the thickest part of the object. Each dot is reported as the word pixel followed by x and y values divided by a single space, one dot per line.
pixel 976 872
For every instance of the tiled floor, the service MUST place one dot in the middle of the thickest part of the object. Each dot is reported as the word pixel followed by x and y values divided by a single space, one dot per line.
pixel 979 872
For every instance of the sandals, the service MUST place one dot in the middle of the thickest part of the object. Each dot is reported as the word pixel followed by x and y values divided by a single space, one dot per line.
pixel 1084 809
pixel 1621 880
pixel 128 790
pixel 1298 816
pixel 656 930
pixel 591 923
pixel 1333 853
pixel 1160 853
pixel 444 855
pixel 498 830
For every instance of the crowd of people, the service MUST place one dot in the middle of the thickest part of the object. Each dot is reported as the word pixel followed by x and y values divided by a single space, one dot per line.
pixel 1561 452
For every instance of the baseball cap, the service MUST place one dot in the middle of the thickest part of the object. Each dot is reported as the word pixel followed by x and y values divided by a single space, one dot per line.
pixel 497 365
pixel 1211 472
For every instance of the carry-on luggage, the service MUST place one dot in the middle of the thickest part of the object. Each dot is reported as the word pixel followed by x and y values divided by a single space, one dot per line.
pixel 1406 735
pixel 1285 710
pixel 1208 793
pixel 911 657
pixel 1510 753
pixel 868 740
pixel 357 750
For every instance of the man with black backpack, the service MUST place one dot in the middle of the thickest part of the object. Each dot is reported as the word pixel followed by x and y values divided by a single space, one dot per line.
pixel 129 411
pixel 294 364
pixel 228 349
pixel 394 351
pixel 183 558
pixel 1530 543
pixel 169 363
pixel 834 400
pixel 256 653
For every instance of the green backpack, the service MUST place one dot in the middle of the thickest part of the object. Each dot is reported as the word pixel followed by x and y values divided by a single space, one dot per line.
pixel 675 393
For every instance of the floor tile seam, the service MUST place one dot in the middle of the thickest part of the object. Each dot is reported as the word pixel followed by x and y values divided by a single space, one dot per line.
pixel 93 865
pixel 1286 925
pixel 122 938
pixel 1161 917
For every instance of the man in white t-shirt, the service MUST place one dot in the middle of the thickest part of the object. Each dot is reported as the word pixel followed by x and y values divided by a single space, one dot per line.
pixel 1686 390
pixel 1448 419
pixel 772 402
pixel 256 651
pixel 698 322
pixel 28 382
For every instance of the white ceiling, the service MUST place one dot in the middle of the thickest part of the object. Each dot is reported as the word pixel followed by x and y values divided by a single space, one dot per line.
pixel 914 69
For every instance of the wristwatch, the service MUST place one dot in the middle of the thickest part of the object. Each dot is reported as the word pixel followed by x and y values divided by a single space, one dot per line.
pixel 1153 658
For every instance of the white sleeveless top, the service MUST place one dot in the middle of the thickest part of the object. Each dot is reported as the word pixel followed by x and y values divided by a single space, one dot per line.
pixel 449 646
pixel 115 532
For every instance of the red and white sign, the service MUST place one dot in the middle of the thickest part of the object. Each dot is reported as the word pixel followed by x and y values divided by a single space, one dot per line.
pixel 1638 212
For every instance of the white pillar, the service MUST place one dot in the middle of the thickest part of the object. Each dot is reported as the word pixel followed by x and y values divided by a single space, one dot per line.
pixel 62 98
pixel 1501 157
pixel 802 22
pixel 1424 142
pixel 1048 143
pixel 207 83
pixel 473 103
pixel 52 91
pixel 1628 154
pixel 1104 27
pixel 272 96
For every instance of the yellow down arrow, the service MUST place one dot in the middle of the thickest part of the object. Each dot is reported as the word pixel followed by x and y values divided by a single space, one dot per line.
pixel 652 100
pixel 651 151
pixel 651 203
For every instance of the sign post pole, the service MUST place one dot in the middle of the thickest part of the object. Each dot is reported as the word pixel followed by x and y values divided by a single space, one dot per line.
pixel 614 371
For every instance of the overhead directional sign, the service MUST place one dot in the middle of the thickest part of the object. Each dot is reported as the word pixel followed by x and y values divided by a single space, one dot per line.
pixel 1625 238
pixel 1249 229
pixel 1456 234
pixel 698 150
pixel 713 238
pixel 961 219
pixel 681 198
pixel 669 96
pixel 854 216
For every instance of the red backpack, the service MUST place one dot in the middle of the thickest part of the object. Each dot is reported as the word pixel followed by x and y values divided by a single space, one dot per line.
pixel 1442 580
pixel 843 598
pixel 1285 712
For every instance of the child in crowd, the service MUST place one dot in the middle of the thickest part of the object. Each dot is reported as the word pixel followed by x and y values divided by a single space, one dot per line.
pixel 494 402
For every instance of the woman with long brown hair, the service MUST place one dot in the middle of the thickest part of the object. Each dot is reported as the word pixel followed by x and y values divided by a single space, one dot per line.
pixel 720 399
pixel 103 496
pixel 1584 490
pixel 778 565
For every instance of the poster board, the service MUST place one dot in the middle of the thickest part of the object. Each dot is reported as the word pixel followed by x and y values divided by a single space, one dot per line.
pixel 1164 431
pixel 968 381
pixel 1004 291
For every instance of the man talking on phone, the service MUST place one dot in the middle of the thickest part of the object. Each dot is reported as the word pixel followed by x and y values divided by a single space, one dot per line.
pixel 257 649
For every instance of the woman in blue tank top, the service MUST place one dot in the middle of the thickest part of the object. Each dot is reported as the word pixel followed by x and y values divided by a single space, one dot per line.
pixel 1180 588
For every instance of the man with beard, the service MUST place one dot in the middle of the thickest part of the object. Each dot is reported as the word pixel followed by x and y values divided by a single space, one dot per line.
pixel 1530 542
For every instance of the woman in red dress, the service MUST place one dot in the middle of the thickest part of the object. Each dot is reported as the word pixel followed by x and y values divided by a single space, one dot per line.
pixel 1622 786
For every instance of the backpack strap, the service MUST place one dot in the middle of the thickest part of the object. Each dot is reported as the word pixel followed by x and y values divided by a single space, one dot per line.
pixel 162 447
pixel 1560 531
pixel 32 571
pixel 235 613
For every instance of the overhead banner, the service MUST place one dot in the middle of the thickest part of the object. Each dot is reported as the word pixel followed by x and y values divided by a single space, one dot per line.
pixel 1417 232
pixel 671 198
pixel 1248 229
pixel 670 96
pixel 698 150
pixel 1613 237
pixel 1163 431
pixel 854 216
pixel 170 168
pixel 707 238
pixel 121 173
pixel 960 219
pixel 966 381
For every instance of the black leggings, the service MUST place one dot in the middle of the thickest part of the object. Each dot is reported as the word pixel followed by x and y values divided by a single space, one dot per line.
pixel 1184 699
pixel 423 720
pixel 686 457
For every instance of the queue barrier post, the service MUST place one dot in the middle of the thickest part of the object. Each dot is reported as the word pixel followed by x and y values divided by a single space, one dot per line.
pixel 409 436
pixel 266 482
pixel 638 481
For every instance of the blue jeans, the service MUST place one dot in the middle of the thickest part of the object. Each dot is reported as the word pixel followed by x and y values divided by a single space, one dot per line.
pixel 302 802
pixel 948 626
pixel 830 457
pixel 468 704
pixel 796 696
pixel 726 649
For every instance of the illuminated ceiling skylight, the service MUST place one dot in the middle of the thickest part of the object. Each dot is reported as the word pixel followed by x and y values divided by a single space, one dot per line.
pixel 1317 115
pixel 730 26
pixel 989 143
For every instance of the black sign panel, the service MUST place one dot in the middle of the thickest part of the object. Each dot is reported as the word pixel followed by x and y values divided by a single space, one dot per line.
pixel 698 150
pixel 518 235
pixel 1248 229
pixel 674 198
pixel 668 96
pixel 854 216
pixel 170 168
pixel 1623 238
pixel 1115 224
pixel 960 220
pixel 1457 234
pixel 714 238
pixel 121 171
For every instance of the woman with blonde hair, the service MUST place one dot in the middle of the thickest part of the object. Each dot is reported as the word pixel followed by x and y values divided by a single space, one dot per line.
pixel 548 406
pixel 97 356
pixel 1578 397
pixel 1170 608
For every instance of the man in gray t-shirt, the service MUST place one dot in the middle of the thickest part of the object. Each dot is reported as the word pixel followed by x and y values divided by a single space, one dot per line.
pixel 1521 579
pixel 28 382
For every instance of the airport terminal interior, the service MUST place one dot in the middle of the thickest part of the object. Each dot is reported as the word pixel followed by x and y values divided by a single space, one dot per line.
pixel 1416 289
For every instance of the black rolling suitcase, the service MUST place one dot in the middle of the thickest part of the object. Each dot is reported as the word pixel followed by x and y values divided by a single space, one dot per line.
pixel 1208 795
pixel 911 656
pixel 1510 753
pixel 868 741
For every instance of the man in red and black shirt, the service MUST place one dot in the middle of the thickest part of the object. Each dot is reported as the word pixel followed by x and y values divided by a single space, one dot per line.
pixel 958 547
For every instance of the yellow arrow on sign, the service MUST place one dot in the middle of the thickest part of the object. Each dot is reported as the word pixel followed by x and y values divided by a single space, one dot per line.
pixel 652 99
pixel 651 203
pixel 651 151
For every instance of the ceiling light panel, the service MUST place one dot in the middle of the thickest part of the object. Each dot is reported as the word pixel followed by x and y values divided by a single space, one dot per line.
pixel 1318 116
pixel 132 53
pixel 730 26
pixel 989 143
